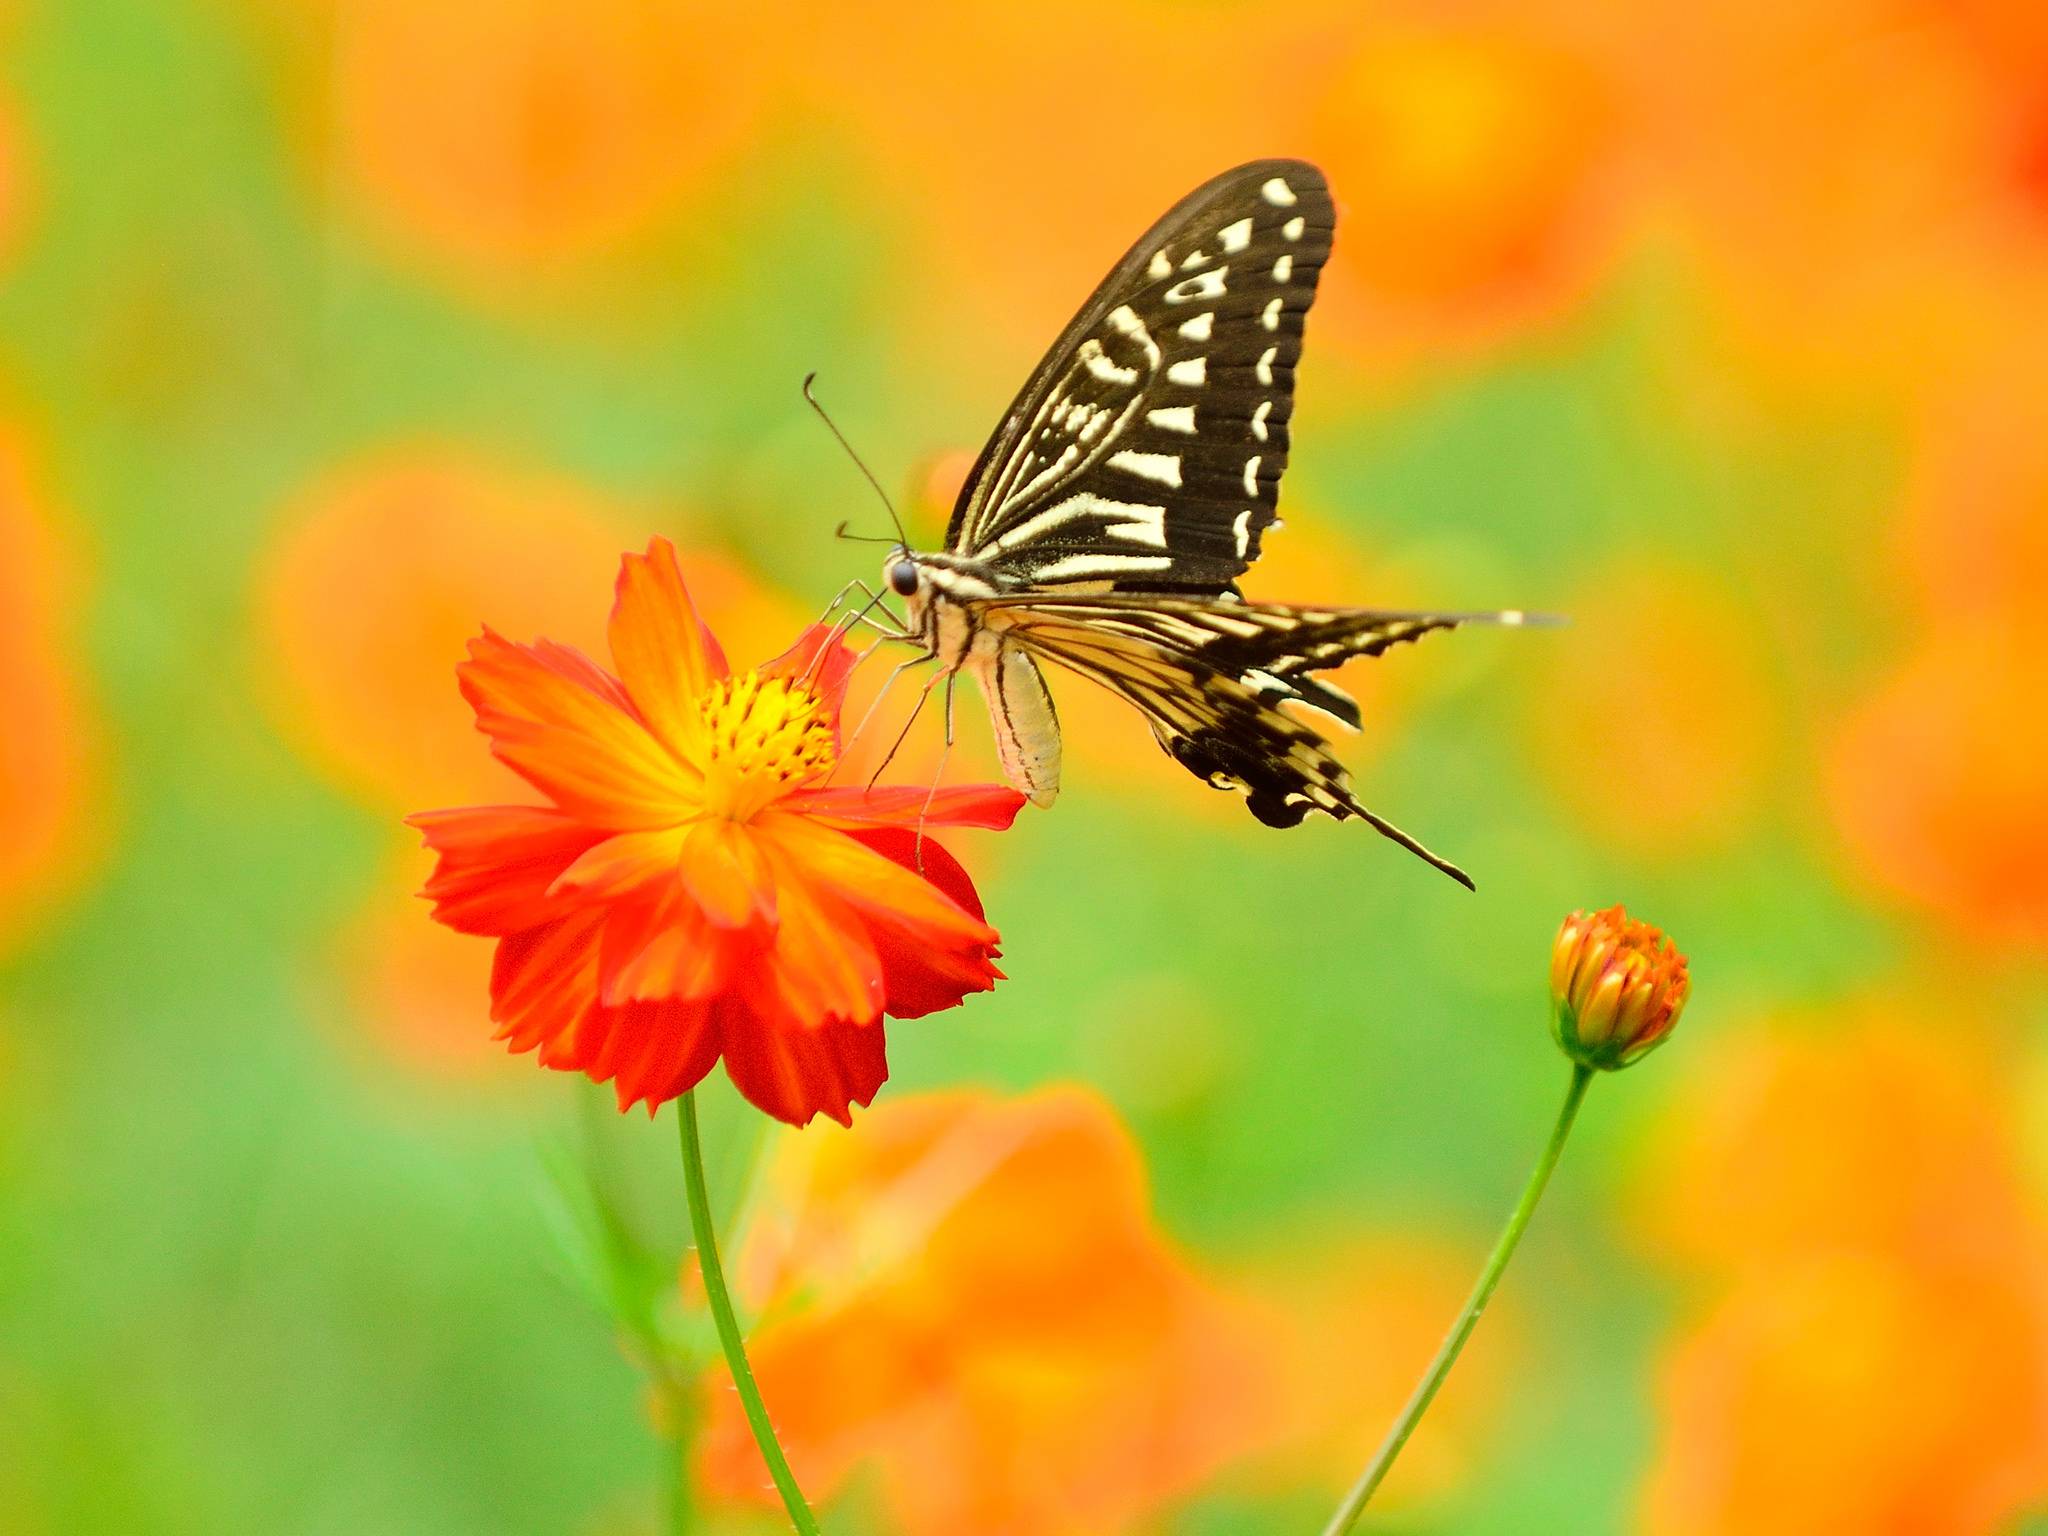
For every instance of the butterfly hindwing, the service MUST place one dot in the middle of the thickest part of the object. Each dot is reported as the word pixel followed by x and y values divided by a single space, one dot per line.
pixel 1223 727
pixel 1146 450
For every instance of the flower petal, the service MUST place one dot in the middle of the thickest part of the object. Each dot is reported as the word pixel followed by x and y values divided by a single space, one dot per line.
pixel 556 720
pixel 873 884
pixel 494 865
pixel 666 657
pixel 544 980
pixel 660 1050
pixel 622 864
pixel 927 858
pixel 822 661
pixel 993 806
pixel 823 964
pixel 723 870
pixel 922 978
pixel 662 947
pixel 795 1073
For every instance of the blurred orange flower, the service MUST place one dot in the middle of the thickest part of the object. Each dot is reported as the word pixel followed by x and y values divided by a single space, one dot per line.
pixel 695 889
pixel 1853 176
pixel 1879 1359
pixel 1353 1327
pixel 14 172
pixel 511 136
pixel 48 764
pixel 1936 781
pixel 971 1298
pixel 1476 166
pixel 1659 684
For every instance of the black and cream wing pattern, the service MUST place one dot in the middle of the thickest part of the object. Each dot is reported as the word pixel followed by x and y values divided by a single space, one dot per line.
pixel 1105 525
pixel 1147 449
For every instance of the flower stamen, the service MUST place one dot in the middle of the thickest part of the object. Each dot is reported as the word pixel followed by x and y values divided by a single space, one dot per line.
pixel 768 736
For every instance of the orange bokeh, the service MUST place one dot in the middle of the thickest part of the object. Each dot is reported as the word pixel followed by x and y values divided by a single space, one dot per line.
pixel 1852 177
pixel 1878 1360
pixel 14 174
pixel 1477 169
pixel 385 568
pixel 1652 716
pixel 1353 1327
pixel 512 136
pixel 1936 781
pixel 1066 1382
pixel 49 768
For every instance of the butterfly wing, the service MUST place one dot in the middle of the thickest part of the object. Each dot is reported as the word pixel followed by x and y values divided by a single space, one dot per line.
pixel 1210 677
pixel 1146 449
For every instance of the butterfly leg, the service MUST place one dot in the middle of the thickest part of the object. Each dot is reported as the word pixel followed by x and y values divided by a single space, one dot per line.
pixel 887 683
pixel 939 772
pixel 915 710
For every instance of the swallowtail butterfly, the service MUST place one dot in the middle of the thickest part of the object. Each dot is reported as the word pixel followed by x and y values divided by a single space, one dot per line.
pixel 1105 525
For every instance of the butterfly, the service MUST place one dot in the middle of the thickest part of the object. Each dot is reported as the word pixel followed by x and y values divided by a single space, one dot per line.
pixel 1106 522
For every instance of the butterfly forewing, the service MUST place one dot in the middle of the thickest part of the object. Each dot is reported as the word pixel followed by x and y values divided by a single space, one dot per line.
pixel 1146 450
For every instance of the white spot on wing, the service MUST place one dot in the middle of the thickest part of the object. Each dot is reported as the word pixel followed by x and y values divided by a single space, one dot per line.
pixel 1078 566
pixel 1237 236
pixel 1160 266
pixel 1278 193
pixel 1283 269
pixel 1271 318
pixel 1119 514
pixel 1251 474
pixel 1266 364
pixel 1099 363
pixel 1293 227
pixel 1201 327
pixel 1203 285
pixel 1259 419
pixel 1191 371
pixel 1242 528
pixel 1174 418
pixel 1162 467
pixel 1126 320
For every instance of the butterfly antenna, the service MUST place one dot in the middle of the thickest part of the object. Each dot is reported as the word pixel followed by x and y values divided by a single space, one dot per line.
pixel 902 538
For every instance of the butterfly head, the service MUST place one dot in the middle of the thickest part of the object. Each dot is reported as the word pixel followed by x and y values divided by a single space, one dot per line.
pixel 901 573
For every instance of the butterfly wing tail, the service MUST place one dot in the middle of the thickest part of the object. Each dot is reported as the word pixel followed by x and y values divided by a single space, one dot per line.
pixel 1228 733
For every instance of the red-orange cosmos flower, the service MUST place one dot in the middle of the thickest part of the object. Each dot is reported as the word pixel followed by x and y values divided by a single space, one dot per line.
pixel 695 890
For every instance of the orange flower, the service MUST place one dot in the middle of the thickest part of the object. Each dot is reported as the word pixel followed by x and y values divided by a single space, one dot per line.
pixel 695 889
pixel 1617 987
pixel 50 772
pixel 1477 164
pixel 1698 671
pixel 971 1298
pixel 1935 782
pixel 1878 1360
pixel 553 131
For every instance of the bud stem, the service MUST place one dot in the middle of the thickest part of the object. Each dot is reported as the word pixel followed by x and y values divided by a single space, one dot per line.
pixel 1447 1354
pixel 728 1324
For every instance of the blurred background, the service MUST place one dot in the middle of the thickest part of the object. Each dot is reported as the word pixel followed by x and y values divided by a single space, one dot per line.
pixel 331 329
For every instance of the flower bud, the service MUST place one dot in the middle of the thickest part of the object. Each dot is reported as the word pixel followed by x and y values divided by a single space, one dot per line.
pixel 1616 988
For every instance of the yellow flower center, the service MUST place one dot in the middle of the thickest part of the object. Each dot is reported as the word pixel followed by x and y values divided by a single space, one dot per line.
pixel 768 736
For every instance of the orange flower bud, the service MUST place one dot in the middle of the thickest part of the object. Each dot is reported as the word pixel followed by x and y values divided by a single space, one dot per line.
pixel 1616 988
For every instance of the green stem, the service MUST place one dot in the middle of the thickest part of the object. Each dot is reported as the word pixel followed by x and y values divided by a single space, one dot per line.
pixel 729 1325
pixel 1447 1354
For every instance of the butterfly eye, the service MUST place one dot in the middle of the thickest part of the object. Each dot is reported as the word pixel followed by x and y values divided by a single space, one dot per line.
pixel 903 578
